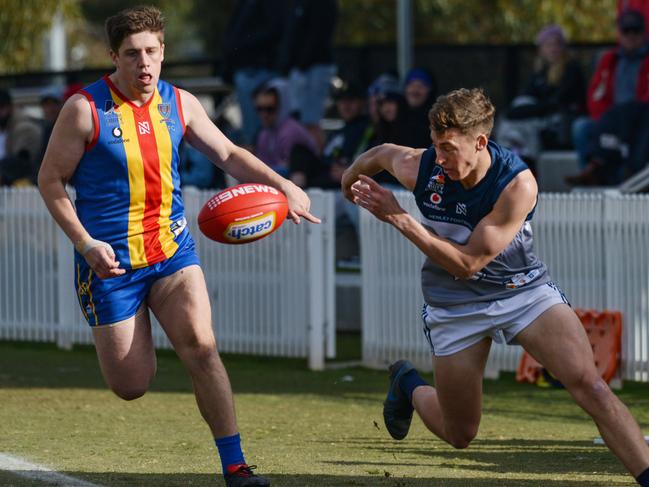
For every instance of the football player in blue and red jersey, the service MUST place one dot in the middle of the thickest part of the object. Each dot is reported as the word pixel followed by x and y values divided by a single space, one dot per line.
pixel 117 142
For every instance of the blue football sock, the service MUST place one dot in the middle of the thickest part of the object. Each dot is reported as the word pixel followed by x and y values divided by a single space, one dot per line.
pixel 230 451
pixel 643 478
pixel 409 381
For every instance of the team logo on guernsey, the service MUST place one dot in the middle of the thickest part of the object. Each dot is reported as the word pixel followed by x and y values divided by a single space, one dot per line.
pixel 460 208
pixel 435 198
pixel 436 181
pixel 164 109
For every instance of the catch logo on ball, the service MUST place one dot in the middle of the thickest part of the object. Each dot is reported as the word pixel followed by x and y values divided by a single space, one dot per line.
pixel 243 213
pixel 252 229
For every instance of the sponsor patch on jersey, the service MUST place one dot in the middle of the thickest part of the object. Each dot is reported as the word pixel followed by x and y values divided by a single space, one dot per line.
pixel 178 226
pixel 435 198
pixel 111 115
pixel 520 279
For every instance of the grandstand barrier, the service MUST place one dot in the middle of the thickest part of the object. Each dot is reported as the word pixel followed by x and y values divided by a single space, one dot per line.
pixel 595 246
pixel 604 330
pixel 274 297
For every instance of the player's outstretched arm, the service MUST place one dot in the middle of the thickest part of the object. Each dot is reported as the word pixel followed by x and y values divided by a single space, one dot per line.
pixel 488 239
pixel 238 162
pixel 402 162
pixel 71 133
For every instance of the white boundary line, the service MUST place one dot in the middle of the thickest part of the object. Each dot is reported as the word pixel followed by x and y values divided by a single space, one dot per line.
pixel 40 473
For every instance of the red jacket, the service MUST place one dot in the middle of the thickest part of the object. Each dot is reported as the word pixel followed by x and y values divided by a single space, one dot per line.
pixel 601 88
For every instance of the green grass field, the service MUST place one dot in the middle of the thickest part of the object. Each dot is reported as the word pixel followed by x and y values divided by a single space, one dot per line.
pixel 302 428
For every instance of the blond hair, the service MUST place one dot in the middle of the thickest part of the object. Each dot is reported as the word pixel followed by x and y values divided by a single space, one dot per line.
pixel 465 110
pixel 133 21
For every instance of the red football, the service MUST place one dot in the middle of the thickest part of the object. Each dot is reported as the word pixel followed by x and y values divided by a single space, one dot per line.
pixel 243 213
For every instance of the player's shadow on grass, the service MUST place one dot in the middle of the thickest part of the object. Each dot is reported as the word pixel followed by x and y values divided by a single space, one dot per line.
pixel 498 456
pixel 378 479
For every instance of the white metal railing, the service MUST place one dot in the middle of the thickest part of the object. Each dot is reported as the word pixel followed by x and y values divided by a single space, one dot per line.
pixel 272 297
pixel 595 245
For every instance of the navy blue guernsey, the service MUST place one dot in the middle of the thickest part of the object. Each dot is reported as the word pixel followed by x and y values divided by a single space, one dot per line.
pixel 451 211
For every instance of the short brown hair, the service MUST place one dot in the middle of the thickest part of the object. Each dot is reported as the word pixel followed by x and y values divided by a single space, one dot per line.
pixel 132 21
pixel 464 110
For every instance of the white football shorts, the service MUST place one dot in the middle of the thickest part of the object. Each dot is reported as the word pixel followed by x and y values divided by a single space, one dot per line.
pixel 454 328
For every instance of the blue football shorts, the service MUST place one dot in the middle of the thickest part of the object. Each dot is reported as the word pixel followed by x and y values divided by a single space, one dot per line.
pixel 108 301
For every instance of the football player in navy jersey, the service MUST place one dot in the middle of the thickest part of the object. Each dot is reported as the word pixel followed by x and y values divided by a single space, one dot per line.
pixel 481 280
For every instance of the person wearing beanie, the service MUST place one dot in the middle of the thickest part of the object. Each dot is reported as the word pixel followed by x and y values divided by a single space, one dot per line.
pixel 420 91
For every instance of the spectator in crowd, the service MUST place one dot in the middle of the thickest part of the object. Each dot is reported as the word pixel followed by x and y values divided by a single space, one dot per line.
pixel 306 58
pixel 390 125
pixel 353 138
pixel 621 145
pixel 541 117
pixel 344 144
pixel 21 139
pixel 51 103
pixel 250 55
pixel 280 134
pixel 621 76
pixel 420 91
pixel 384 83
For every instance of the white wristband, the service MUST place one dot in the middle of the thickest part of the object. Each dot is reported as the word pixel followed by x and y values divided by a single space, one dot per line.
pixel 85 247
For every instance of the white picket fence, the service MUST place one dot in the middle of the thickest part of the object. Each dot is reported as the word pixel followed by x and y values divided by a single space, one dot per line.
pixel 276 297
pixel 596 246
pixel 272 297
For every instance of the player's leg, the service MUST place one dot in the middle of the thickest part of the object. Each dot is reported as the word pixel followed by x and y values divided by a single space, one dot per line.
pixel 558 341
pixel 180 302
pixel 121 328
pixel 126 354
pixel 453 408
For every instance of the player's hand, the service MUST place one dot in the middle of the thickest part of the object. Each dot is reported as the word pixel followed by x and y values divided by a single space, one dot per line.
pixel 299 204
pixel 379 201
pixel 101 260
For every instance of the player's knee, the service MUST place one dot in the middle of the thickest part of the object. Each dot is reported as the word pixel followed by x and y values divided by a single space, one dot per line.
pixel 203 356
pixel 461 439
pixel 128 392
pixel 592 392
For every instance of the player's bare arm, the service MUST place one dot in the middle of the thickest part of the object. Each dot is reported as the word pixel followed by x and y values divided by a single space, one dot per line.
pixel 236 161
pixel 402 162
pixel 490 237
pixel 72 132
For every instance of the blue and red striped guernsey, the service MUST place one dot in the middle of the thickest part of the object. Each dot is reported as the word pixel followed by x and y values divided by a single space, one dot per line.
pixel 127 183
